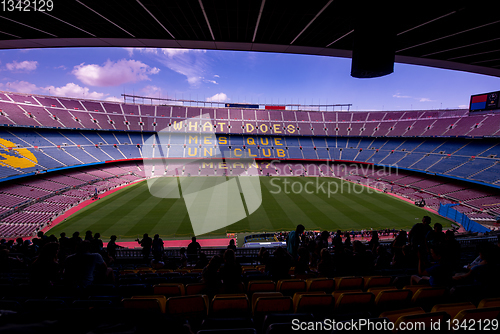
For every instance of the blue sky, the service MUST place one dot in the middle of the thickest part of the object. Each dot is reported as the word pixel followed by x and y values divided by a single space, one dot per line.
pixel 231 76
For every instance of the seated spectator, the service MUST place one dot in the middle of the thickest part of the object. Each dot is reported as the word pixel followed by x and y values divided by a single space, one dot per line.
pixel 7 262
pixel 230 273
pixel 45 270
pixel 202 261
pixel 382 259
pixel 157 263
pixel 362 260
pixel 302 264
pixel 263 256
pixel 79 268
pixel 452 249
pixel 279 264
pixel 438 273
pixel 325 265
pixel 406 259
pixel 435 237
pixel 183 259
pixel 486 271
pixel 211 276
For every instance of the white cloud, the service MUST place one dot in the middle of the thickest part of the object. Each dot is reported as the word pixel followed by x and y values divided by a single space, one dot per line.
pixel 190 63
pixel 463 106
pixel 211 81
pixel 61 67
pixel 171 53
pixel 401 96
pixel 424 99
pixel 21 87
pixel 24 66
pixel 73 90
pixel 216 76
pixel 114 73
pixel 113 99
pixel 219 97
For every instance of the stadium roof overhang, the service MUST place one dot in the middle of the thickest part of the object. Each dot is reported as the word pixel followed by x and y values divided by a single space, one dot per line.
pixel 458 35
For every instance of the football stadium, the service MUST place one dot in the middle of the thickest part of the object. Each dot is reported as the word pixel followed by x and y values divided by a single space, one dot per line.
pixel 223 215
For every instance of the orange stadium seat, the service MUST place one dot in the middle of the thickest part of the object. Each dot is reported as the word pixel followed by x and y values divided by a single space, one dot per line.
pixel 320 284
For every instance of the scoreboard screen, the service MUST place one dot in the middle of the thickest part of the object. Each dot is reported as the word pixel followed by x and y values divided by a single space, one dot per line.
pixel 486 101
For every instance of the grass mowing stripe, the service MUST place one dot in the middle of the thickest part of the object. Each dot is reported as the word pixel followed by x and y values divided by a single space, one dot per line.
pixel 332 218
pixel 127 208
pixel 291 210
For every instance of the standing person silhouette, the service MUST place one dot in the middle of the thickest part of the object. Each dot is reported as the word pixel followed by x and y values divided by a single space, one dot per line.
pixel 293 241
pixel 192 250
pixel 146 244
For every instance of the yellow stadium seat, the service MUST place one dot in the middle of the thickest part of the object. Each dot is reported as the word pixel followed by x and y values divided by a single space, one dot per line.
pixel 453 309
pixel 336 294
pixel 169 289
pixel 348 283
pixel 260 286
pixel 489 313
pixel 195 288
pixel 489 302
pixel 146 304
pixel 257 295
pixel 376 291
pixel 320 284
pixel 229 305
pixel 289 286
pixel 376 281
pixel 388 300
pixel 396 314
pixel 421 322
pixel 427 297
pixel 265 305
pixel 161 299
pixel 354 302
pixel 314 303
pixel 188 306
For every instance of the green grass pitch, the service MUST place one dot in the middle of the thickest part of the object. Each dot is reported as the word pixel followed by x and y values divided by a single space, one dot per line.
pixel 133 211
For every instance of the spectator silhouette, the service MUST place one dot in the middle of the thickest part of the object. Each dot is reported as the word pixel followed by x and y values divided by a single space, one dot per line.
pixel 202 261
pixel 279 264
pixel 419 231
pixel 437 273
pixel 232 245
pixel 79 268
pixel 157 246
pixel 88 236
pixel 96 244
pixel 293 241
pixel 112 247
pixel 230 273
pixel 74 241
pixel 211 276
pixel 325 265
pixel 192 250
pixel 45 270
pixel 146 243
